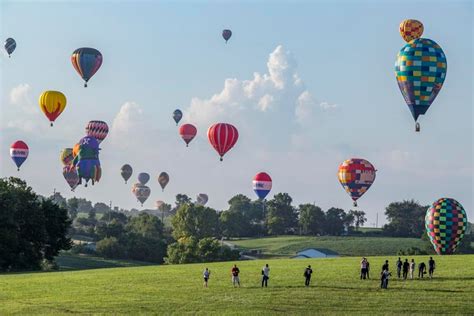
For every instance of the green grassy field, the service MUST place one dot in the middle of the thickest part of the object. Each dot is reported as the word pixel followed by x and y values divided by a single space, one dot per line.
pixel 336 289
pixel 286 246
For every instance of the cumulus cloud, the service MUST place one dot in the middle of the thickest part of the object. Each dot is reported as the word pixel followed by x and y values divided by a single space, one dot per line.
pixel 20 96
pixel 127 125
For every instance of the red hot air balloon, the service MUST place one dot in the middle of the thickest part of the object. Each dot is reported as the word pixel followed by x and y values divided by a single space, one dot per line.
pixel 187 132
pixel 222 137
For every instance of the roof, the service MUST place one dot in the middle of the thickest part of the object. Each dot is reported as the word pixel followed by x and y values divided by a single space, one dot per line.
pixel 322 250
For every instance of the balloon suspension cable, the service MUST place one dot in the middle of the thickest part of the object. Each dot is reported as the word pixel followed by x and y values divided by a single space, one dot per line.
pixel 417 127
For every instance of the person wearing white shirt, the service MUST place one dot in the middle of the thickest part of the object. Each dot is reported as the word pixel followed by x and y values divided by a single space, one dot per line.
pixel 265 275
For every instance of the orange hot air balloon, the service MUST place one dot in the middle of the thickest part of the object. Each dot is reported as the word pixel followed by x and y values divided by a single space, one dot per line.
pixel 52 103
pixel 411 29
pixel 75 150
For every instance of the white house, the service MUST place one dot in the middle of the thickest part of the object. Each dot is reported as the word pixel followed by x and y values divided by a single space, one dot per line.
pixel 315 253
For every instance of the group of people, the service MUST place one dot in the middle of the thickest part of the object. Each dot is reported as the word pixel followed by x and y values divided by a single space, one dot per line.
pixel 265 275
pixel 406 269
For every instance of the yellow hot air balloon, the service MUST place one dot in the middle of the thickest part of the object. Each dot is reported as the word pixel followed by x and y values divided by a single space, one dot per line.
pixel 52 103
pixel 411 29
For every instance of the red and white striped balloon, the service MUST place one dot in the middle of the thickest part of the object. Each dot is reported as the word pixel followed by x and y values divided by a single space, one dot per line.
pixel 222 137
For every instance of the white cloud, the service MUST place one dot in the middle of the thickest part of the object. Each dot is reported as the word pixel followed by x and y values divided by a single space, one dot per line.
pixel 127 125
pixel 327 106
pixel 20 96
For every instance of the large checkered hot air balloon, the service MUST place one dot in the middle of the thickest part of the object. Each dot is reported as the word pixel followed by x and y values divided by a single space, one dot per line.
pixel 19 152
pixel 420 70
pixel 262 184
pixel 411 29
pixel 446 224
pixel 356 176
pixel 86 61
pixel 222 137
pixel 97 129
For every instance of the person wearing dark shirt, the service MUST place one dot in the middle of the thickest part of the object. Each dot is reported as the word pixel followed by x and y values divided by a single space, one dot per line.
pixel 421 270
pixel 385 266
pixel 399 267
pixel 406 266
pixel 307 274
pixel 235 275
pixel 431 267
pixel 367 270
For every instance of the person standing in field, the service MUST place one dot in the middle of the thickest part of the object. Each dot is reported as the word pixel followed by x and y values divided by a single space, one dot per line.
pixel 385 266
pixel 307 274
pixel 206 274
pixel 406 266
pixel 265 275
pixel 384 279
pixel 431 267
pixel 235 275
pixel 363 268
pixel 421 270
pixel 367 268
pixel 399 267
pixel 412 268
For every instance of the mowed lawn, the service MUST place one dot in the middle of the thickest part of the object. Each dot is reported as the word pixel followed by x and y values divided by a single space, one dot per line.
pixel 286 246
pixel 336 289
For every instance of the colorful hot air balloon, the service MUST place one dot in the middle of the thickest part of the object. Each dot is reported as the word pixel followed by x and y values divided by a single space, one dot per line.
pixel 411 29
pixel 141 192
pixel 163 180
pixel 126 172
pixel 86 61
pixel 97 129
pixel 66 156
pixel 75 150
pixel 202 199
pixel 70 174
pixel 143 178
pixel 10 45
pixel 420 70
pixel 177 116
pixel 226 34
pixel 187 132
pixel 446 223
pixel 222 137
pixel 19 152
pixel 87 160
pixel 356 176
pixel 262 184
pixel 52 103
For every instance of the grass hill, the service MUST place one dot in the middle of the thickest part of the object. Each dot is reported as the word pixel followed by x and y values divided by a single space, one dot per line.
pixel 336 289
pixel 286 246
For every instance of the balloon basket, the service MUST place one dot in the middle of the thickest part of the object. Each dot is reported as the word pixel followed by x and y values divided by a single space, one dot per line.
pixel 355 204
pixel 417 127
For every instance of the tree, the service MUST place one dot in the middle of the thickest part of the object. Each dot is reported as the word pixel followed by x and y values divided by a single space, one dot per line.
pixel 100 207
pixel 196 221
pixel 73 207
pixel 31 230
pixel 359 218
pixel 190 249
pixel 311 219
pixel 234 224
pixel 182 199
pixel 405 219
pixel 335 220
pixel 281 215
pixel 146 225
pixel 110 247
pixel 58 199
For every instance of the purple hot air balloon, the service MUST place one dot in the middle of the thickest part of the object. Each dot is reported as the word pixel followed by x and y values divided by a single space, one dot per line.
pixel 226 34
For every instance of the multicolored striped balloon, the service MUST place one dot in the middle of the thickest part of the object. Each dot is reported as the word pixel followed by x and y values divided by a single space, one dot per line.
pixel 262 184
pixel 66 156
pixel 19 152
pixel 187 132
pixel 86 61
pixel 70 174
pixel 446 224
pixel 222 137
pixel 356 176
pixel 97 129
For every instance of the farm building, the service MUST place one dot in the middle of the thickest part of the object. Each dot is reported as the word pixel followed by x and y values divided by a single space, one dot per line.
pixel 315 253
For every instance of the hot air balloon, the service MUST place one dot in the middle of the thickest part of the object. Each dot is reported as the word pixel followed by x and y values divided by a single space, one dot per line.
pixel 222 137
pixel 87 160
pixel 356 176
pixel 66 156
pixel 97 129
pixel 10 45
pixel 141 192
pixel 187 132
pixel 202 199
pixel 159 204
pixel 52 103
pixel 411 29
pixel 126 172
pixel 177 116
pixel 226 34
pixel 75 150
pixel 446 223
pixel 70 174
pixel 143 178
pixel 163 180
pixel 86 61
pixel 420 70
pixel 19 153
pixel 262 184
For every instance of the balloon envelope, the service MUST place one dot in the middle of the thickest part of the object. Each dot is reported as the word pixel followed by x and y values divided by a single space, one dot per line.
pixel 66 156
pixel 163 179
pixel 446 224
pixel 411 29
pixel 226 34
pixel 143 178
pixel 141 192
pixel 10 45
pixel 177 116
pixel 86 61
pixel 222 137
pixel 71 176
pixel 202 199
pixel 52 104
pixel 356 176
pixel 126 171
pixel 262 184
pixel 420 70
pixel 187 132
pixel 97 129
pixel 19 152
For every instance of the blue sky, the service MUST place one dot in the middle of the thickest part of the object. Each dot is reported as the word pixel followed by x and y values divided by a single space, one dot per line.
pixel 325 91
